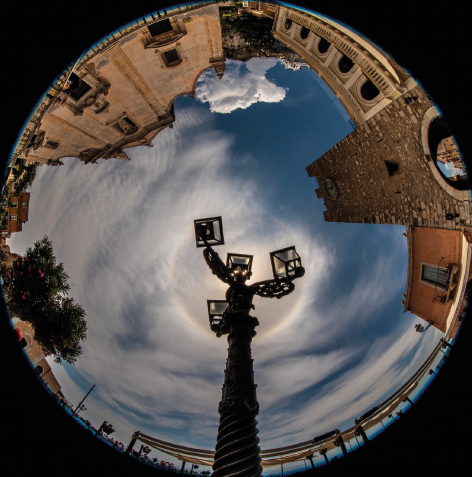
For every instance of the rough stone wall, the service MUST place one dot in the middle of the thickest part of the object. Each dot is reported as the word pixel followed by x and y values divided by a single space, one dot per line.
pixel 368 193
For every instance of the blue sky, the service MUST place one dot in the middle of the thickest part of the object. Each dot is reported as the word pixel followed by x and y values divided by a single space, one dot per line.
pixel 325 354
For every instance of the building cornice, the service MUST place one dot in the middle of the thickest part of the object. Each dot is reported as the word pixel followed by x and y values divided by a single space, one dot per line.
pixel 372 68
pixel 409 236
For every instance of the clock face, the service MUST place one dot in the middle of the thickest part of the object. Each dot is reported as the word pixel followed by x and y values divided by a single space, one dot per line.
pixel 332 191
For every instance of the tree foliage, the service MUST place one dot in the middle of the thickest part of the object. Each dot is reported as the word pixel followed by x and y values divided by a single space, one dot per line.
pixel 27 179
pixel 37 286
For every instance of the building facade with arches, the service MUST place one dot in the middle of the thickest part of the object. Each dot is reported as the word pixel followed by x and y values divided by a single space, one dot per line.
pixel 363 78
pixel 121 94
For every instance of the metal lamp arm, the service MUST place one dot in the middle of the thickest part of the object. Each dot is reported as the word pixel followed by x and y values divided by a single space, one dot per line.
pixel 215 263
pixel 275 288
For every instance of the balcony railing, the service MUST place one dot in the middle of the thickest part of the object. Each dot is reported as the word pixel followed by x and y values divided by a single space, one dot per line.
pixel 445 284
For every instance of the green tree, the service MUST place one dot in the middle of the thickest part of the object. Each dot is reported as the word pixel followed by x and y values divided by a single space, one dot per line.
pixel 37 285
pixel 27 179
pixel 257 32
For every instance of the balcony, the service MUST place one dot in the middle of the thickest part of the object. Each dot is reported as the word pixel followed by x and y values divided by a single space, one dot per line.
pixel 446 282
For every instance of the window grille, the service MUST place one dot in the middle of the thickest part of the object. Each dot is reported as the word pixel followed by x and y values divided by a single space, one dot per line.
pixel 171 56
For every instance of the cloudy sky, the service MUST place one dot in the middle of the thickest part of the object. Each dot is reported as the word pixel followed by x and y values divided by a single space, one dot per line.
pixel 335 347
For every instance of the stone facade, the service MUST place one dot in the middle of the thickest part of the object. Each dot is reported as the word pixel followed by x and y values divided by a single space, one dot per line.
pixel 381 174
pixel 122 94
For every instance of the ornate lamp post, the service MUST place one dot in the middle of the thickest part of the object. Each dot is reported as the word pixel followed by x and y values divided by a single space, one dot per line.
pixel 237 450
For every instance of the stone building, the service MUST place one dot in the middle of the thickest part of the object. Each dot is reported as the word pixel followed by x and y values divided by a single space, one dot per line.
pixel 36 355
pixel 385 173
pixel 17 212
pixel 449 152
pixel 120 94
pixel 438 271
pixel 364 78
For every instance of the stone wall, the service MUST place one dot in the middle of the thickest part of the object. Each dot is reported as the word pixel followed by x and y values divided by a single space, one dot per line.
pixel 382 175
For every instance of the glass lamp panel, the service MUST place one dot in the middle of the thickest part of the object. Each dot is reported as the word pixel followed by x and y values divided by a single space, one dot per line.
pixel 292 265
pixel 242 261
pixel 287 255
pixel 217 308
pixel 279 266
pixel 217 230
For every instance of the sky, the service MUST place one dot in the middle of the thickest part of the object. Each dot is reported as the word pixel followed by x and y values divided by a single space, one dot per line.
pixel 334 348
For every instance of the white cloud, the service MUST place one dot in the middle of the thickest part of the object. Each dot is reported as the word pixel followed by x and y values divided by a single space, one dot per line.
pixel 453 171
pixel 238 88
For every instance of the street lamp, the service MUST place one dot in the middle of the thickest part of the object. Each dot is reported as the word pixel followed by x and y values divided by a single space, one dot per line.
pixel 106 428
pixel 211 229
pixel 237 448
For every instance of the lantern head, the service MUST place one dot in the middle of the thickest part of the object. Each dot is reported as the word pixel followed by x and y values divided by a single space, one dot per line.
pixel 216 308
pixel 286 263
pixel 209 230
pixel 239 266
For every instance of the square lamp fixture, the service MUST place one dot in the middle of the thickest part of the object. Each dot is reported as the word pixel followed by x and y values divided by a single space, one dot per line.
pixel 238 263
pixel 216 308
pixel 212 228
pixel 146 450
pixel 108 429
pixel 285 262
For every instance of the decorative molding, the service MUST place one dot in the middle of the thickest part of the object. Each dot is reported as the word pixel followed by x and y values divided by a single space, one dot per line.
pixel 98 85
pixel 382 78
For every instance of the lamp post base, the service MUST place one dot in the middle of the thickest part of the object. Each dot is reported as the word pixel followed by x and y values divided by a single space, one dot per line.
pixel 237 447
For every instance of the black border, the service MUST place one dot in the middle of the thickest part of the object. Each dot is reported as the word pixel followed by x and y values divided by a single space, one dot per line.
pixel 428 39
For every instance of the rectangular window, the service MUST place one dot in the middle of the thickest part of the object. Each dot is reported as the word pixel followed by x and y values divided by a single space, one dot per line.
pixel 171 56
pixel 80 90
pixel 435 275
pixel 160 27
pixel 23 204
pixel 14 204
pixel 12 218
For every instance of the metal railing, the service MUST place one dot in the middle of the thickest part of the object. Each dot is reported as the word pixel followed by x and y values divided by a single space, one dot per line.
pixel 443 276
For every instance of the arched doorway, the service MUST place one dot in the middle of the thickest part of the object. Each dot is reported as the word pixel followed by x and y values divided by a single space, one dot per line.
pixel 39 370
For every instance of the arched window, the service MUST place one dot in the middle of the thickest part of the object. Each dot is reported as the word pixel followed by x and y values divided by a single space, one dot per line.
pixel 369 91
pixel 38 370
pixel 323 46
pixel 345 64
pixel 288 24
pixel 304 32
